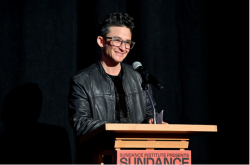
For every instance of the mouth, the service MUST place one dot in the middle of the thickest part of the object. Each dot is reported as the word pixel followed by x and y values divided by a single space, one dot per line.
pixel 119 53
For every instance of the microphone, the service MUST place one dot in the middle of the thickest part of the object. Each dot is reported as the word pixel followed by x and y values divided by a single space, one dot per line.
pixel 148 78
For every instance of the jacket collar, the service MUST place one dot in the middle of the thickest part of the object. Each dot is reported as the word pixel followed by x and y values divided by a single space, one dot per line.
pixel 102 71
pixel 100 68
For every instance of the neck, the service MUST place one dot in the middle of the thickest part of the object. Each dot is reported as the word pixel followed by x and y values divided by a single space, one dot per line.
pixel 111 69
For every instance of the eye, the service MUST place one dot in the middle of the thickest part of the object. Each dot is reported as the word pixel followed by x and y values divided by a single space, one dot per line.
pixel 116 39
pixel 128 42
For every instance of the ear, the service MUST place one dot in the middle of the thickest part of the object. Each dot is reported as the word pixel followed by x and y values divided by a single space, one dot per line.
pixel 100 41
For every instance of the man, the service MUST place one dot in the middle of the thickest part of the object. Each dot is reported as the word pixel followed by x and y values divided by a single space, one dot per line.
pixel 109 91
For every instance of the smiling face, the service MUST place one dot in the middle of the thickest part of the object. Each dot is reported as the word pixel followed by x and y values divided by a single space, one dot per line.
pixel 113 55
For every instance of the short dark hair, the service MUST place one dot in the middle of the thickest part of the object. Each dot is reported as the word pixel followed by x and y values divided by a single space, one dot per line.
pixel 115 19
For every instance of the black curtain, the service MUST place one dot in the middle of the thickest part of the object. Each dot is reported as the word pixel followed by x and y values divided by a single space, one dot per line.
pixel 38 45
pixel 198 50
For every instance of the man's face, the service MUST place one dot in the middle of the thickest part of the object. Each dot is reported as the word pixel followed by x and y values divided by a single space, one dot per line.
pixel 113 54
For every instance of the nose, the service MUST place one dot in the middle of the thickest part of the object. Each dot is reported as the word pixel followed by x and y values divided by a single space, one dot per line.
pixel 123 47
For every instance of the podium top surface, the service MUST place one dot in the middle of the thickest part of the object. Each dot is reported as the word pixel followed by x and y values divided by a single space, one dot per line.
pixel 158 128
pixel 150 129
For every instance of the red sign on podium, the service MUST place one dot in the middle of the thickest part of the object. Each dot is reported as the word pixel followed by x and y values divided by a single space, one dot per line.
pixel 153 157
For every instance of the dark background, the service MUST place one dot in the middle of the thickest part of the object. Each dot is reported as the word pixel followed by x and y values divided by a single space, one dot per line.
pixel 198 50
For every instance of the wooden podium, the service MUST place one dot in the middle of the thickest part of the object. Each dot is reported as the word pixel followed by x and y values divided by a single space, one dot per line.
pixel 111 137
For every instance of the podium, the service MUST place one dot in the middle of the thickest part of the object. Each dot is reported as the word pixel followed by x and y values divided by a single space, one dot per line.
pixel 109 138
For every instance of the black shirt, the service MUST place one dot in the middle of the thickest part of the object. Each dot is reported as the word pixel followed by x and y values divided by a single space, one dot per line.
pixel 121 111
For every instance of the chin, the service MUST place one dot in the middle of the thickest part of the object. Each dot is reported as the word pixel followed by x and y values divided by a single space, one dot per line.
pixel 118 60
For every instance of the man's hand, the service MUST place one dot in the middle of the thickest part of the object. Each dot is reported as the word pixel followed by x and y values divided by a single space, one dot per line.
pixel 151 121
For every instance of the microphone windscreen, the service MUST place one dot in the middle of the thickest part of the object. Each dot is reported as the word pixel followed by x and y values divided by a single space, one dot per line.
pixel 136 64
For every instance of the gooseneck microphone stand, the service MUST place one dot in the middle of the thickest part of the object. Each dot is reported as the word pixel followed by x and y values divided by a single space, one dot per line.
pixel 145 88
pixel 148 79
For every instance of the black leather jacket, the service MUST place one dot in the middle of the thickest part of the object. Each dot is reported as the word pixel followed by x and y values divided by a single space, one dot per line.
pixel 92 98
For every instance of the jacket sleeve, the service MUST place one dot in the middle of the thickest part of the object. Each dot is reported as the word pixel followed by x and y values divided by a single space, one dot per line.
pixel 149 110
pixel 80 112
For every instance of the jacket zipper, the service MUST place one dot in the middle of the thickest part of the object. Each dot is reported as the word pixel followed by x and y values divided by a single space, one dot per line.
pixel 126 99
pixel 112 84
